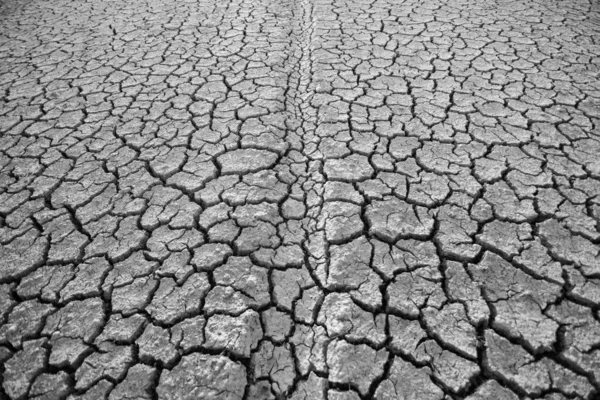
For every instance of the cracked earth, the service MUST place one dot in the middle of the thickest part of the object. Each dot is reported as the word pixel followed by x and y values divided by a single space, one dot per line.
pixel 311 199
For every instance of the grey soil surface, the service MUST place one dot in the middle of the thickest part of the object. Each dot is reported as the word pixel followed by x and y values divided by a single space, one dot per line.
pixel 304 199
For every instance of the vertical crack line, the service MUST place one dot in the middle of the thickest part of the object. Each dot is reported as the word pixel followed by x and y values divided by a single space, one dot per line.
pixel 304 122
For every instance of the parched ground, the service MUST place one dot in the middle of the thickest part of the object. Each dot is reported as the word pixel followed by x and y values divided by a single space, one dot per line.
pixel 305 199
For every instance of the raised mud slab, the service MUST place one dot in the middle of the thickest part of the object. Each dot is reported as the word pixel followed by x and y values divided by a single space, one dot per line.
pixel 304 199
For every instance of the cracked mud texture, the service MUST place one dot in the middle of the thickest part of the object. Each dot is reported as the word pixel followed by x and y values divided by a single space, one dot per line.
pixel 313 199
